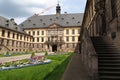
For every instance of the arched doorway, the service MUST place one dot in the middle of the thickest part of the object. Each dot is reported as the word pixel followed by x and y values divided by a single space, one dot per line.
pixel 54 48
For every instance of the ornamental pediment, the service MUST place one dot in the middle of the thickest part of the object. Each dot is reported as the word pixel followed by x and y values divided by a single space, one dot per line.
pixel 54 26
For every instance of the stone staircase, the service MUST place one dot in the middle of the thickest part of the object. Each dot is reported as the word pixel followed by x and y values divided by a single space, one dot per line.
pixel 108 59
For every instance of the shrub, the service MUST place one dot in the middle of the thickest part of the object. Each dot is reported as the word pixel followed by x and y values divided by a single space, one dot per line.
pixel 46 53
pixel 32 55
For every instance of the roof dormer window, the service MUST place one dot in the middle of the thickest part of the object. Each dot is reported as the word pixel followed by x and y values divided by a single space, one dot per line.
pixel 73 17
pixel 67 22
pixel 15 24
pixel 41 20
pixel 50 19
pixel 57 18
pixel 7 21
pixel 78 22
pixel 62 18
pixel 29 20
pixel 34 24
pixel 44 24
pixel 7 25
pixel 16 28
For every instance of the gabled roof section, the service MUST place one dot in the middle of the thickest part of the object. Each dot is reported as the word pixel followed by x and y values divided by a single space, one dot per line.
pixel 43 21
pixel 10 24
pixel 54 25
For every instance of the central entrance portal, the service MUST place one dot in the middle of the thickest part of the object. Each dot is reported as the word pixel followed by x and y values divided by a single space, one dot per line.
pixel 54 48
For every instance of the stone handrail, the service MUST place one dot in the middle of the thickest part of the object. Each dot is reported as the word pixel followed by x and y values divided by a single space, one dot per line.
pixel 89 55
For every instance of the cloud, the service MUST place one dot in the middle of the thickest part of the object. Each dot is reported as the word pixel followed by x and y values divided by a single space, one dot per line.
pixel 21 9
pixel 10 9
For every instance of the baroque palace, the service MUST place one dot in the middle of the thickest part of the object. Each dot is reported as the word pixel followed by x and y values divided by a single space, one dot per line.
pixel 57 32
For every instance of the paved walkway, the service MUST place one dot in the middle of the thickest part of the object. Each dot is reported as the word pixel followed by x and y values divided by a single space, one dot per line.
pixel 75 69
pixel 14 58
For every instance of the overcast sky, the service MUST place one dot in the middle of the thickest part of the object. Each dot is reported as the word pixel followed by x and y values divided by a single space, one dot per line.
pixel 20 10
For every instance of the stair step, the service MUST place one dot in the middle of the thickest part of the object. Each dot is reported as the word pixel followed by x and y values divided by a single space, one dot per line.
pixel 109 54
pixel 109 77
pixel 109 58
pixel 109 69
pixel 108 65
pixel 112 73
pixel 112 52
pixel 109 61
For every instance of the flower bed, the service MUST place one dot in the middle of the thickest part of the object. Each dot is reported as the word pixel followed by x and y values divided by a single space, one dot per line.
pixel 36 60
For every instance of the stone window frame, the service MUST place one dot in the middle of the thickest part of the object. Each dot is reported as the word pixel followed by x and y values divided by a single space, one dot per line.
pixel 67 45
pixel 3 33
pixel 73 31
pixel 67 31
pixel 67 38
pixel 8 35
pixel 73 38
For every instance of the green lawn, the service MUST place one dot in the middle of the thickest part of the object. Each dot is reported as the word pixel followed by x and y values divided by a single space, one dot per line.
pixel 52 71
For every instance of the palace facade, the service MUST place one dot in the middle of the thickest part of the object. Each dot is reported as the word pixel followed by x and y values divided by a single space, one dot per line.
pixel 57 32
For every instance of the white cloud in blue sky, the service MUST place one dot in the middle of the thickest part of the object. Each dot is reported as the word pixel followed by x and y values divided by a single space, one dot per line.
pixel 22 9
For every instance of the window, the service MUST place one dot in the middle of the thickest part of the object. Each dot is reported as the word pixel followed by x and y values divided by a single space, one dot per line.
pixel 27 38
pixel 7 25
pixel 33 45
pixel 33 39
pixel 113 7
pixel 33 32
pixel 13 35
pixel 2 41
pixel 60 38
pixel 67 38
pixel 41 20
pixel 73 18
pixel 73 45
pixel 44 24
pixel 67 45
pixel 73 31
pixel 73 38
pixel 37 32
pixel 67 22
pixel 17 36
pixel 37 45
pixel 16 44
pixel 29 32
pixel 8 34
pixel 20 37
pixel 20 44
pixel 42 32
pixel 3 33
pixel 12 49
pixel 48 38
pixel 12 43
pixel 67 31
pixel 42 39
pixel 50 19
pixel 24 37
pixel 7 43
pixel 29 20
pixel 78 31
pixel 60 46
pixel 42 46
pixel 48 46
pixel 34 24
pixel 37 39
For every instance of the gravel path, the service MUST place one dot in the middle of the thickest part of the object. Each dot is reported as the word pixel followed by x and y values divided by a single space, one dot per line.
pixel 14 58
pixel 75 69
